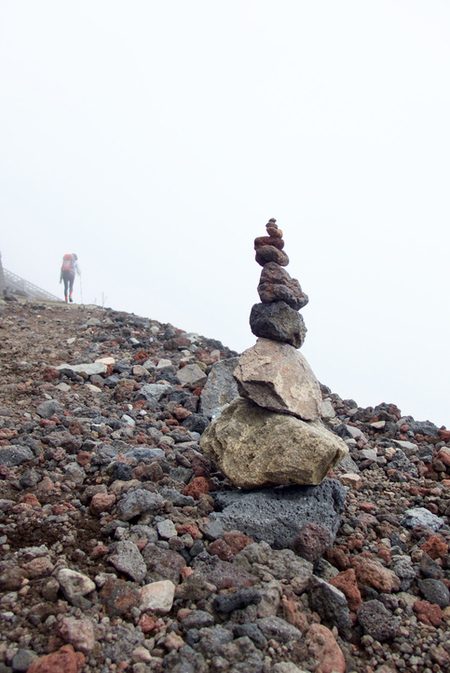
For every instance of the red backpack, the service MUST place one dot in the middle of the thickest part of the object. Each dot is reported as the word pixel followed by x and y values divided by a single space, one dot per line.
pixel 67 263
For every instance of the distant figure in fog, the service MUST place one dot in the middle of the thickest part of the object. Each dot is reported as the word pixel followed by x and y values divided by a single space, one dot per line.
pixel 68 269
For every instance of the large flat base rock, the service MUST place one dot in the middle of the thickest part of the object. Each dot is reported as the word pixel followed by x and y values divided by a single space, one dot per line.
pixel 277 515
pixel 276 376
pixel 255 447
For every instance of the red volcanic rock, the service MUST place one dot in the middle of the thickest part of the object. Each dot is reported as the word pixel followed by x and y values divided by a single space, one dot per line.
pixel 435 547
pixel 65 660
pixel 428 613
pixel 30 499
pixel 346 582
pixel 323 647
pixel 148 624
pixel 237 541
pixel 221 549
pixel 293 614
pixel 142 355
pixel 190 529
pixel 269 240
pixel 196 487
pixel 444 435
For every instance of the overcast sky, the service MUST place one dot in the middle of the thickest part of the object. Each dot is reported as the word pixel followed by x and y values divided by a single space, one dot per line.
pixel 156 138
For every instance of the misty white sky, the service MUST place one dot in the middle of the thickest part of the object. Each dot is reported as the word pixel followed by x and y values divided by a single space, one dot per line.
pixel 155 140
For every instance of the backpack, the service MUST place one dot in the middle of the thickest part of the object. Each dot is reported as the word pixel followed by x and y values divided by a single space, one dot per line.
pixel 67 263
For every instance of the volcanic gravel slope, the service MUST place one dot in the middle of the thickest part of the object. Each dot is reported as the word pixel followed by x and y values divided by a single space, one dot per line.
pixel 107 548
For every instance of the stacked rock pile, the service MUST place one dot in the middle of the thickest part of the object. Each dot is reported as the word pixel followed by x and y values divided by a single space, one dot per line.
pixel 272 433
pixel 101 474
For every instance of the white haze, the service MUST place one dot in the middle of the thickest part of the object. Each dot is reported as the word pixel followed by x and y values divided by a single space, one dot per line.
pixel 155 139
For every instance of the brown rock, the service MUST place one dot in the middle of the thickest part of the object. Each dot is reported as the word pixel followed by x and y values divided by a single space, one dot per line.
pixel 371 573
pixel 444 455
pixel 50 374
pixel 323 647
pixel 102 502
pixel 276 376
pixel 65 660
pixel 276 241
pixel 346 582
pixel 83 458
pixel 76 428
pixel 293 613
pixel 428 613
pixel 11 579
pixel 435 547
pixel 39 567
pixel 269 253
pixel 440 655
pixel 276 284
pixel 6 433
pixel 273 231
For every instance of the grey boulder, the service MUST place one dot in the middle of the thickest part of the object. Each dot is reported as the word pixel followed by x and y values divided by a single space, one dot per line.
pixel 279 322
pixel 220 387
pixel 277 516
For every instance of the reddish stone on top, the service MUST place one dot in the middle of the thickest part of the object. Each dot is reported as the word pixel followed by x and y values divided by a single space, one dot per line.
pixel 428 613
pixel 197 486
pixel 435 547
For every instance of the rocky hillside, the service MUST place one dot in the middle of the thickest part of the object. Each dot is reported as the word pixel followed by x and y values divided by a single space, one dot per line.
pixel 122 547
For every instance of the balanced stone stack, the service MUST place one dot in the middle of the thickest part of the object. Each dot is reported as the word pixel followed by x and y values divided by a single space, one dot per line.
pixel 272 433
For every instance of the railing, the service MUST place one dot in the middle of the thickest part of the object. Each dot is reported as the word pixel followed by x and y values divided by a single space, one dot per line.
pixel 20 285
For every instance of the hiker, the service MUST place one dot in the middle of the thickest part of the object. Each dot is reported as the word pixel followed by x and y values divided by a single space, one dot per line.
pixel 68 268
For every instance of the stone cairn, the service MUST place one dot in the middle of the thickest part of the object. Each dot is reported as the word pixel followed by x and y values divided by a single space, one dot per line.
pixel 272 434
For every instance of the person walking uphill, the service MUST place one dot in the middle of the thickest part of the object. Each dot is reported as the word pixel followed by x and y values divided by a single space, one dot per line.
pixel 68 269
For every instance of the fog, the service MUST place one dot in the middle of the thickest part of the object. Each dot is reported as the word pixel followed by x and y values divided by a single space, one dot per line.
pixel 156 139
